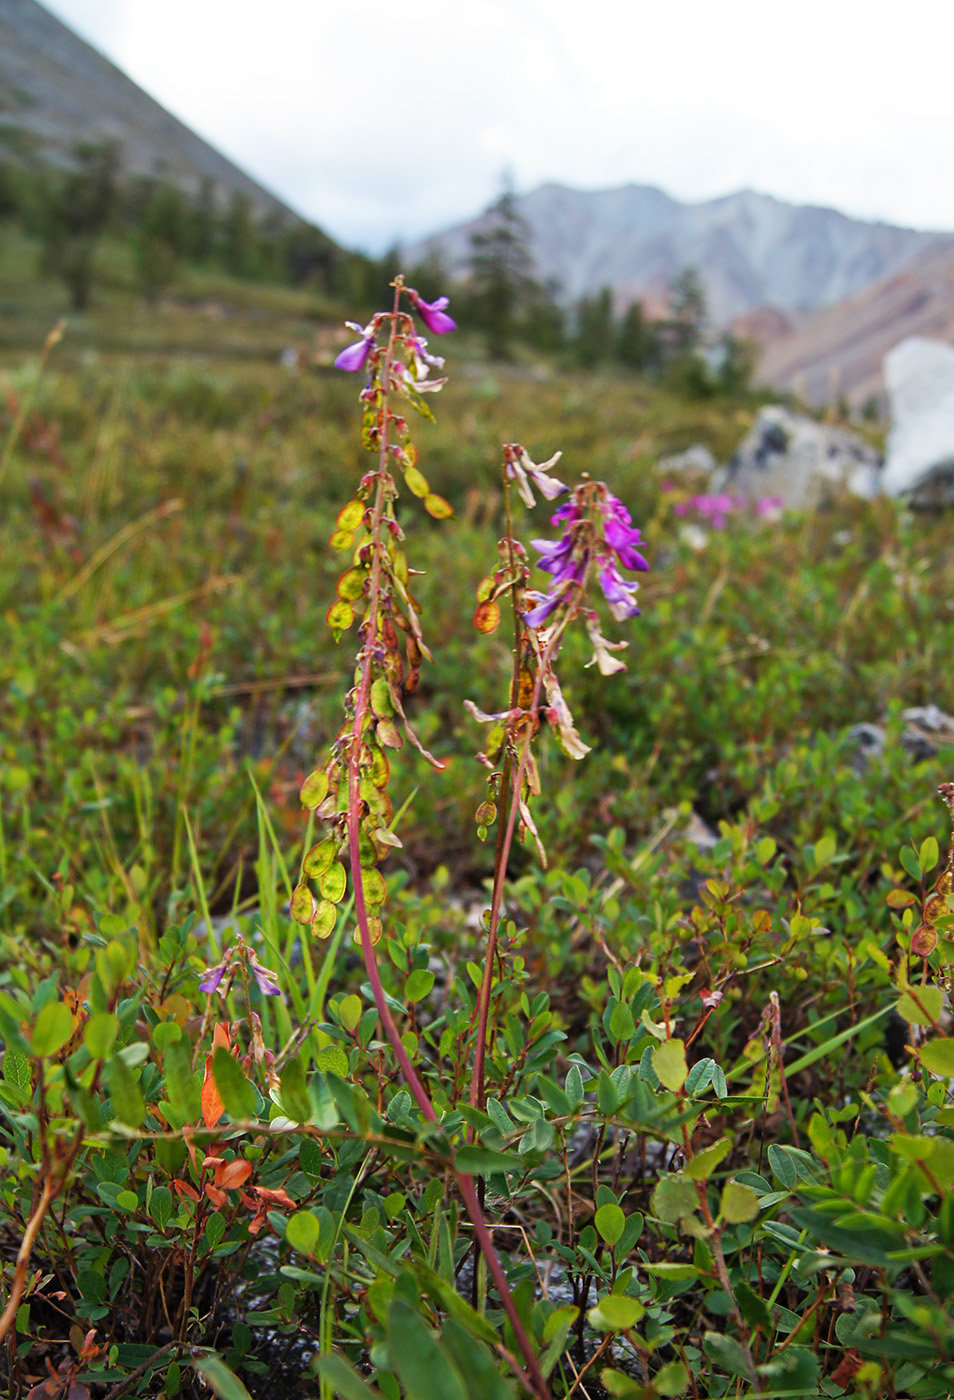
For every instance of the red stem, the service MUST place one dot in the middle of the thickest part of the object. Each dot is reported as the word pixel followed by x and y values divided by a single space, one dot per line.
pixel 465 1183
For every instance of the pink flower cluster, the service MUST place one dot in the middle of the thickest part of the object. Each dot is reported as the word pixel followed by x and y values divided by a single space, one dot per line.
pixel 568 558
pixel 716 508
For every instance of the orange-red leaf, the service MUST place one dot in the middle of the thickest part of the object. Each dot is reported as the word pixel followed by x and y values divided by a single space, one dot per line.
pixel 487 616
pixel 212 1105
pixel 231 1174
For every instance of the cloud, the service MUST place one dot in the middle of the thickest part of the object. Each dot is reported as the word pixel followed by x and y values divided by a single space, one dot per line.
pixel 380 120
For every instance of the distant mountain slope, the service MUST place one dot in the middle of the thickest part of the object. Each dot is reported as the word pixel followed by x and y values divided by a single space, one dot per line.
pixel 56 90
pixel 752 250
pixel 838 350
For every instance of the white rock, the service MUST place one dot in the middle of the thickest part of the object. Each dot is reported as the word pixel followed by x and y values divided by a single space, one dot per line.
pixel 790 456
pixel 920 456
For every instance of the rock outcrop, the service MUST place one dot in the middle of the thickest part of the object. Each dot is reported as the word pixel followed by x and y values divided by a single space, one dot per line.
pixel 792 457
pixel 919 464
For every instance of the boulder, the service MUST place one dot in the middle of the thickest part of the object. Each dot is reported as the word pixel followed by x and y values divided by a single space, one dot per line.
pixel 791 456
pixel 919 463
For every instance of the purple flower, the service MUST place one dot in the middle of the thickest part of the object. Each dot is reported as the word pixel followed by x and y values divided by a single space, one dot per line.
pixel 213 975
pixel 620 595
pixel 266 979
pixel 355 357
pixel 555 554
pixel 545 606
pixel 621 535
pixel 432 313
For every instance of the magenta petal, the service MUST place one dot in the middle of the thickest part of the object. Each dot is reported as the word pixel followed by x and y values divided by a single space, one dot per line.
pixel 539 614
pixel 434 316
pixel 213 976
pixel 355 357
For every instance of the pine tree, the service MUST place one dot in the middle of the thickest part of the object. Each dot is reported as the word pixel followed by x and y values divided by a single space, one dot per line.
pixel 502 282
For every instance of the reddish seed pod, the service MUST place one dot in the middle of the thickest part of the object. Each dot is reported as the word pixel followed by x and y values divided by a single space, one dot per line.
pixel 924 941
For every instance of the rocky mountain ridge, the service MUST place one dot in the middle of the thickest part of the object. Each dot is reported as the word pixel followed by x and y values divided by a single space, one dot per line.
pixel 752 250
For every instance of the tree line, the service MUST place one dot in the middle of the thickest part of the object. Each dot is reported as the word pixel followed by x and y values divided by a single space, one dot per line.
pixel 71 210
pixel 500 295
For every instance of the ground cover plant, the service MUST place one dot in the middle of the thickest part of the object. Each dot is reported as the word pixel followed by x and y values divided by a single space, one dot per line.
pixel 667 1115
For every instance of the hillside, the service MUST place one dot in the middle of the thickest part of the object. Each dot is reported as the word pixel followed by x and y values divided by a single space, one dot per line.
pixel 839 350
pixel 752 250
pixel 55 89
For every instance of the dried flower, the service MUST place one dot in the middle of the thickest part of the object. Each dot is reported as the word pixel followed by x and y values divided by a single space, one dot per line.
pixel 601 648
pixel 519 467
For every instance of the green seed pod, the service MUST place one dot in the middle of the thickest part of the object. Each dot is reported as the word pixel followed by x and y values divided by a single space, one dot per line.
pixel 302 904
pixel 333 882
pixel 314 789
pixel 323 923
pixel 318 859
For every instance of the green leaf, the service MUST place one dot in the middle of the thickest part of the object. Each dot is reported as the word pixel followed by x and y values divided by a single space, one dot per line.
pixel 938 1057
pixel 669 1062
pixel 675 1273
pixel 752 1307
pixel 475 1364
pixel 128 1102
pixel 16 1069
pixel 782 1166
pixel 422 1367
pixel 343 1380
pixel 52 1030
pixel 610 1221
pixel 217 1375
pixel 700 1076
pixel 574 1087
pixel 726 1352
pixel 928 854
pixel 296 1101
pixel 236 1091
pixel 622 1026
pixel 214 1229
pixel 302 1231
pixel 99 1034
pixel 675 1196
pixel 616 1312
pixel 866 1245
pixel 481 1161
pixel 926 1010
pixel 824 851
pixel 349 1012
pixel 673 1379
pixel 739 1203
pixel 181 1088
pixel 910 862
pixel 162 1206
pixel 704 1163
pixel 418 985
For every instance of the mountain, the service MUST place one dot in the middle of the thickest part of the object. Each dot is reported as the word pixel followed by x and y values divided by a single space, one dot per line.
pixel 56 90
pixel 751 250
pixel 839 349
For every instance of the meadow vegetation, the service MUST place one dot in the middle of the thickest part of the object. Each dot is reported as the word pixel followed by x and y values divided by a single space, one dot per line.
pixel 715 1151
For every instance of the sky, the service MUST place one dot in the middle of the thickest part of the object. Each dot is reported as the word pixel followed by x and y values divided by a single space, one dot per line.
pixel 385 120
